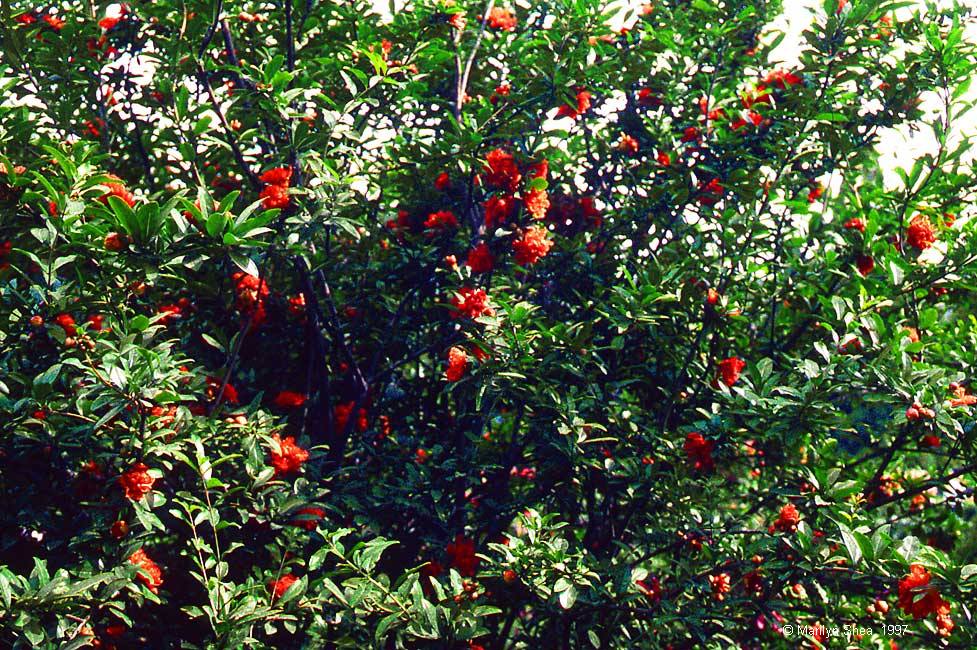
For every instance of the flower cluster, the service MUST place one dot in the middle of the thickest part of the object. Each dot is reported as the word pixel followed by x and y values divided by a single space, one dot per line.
pixel 149 572
pixel 471 303
pixel 137 482
pixel 699 452
pixel 787 520
pixel 250 293
pixel 286 456
pixel 533 246
pixel 457 364
pixel 730 369
pixel 115 188
pixel 275 193
pixel 918 597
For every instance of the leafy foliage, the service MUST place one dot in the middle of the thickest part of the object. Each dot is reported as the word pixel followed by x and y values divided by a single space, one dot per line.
pixel 479 325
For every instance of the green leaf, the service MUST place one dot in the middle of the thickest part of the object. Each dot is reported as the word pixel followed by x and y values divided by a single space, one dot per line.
pixel 139 323
pixel 333 589
pixel 896 273
pixel 568 597
pixel 384 625
pixel 47 377
pixel 908 549
pixel 371 553
pixel 854 551
pixel 968 572
pixel 245 263
pixel 6 593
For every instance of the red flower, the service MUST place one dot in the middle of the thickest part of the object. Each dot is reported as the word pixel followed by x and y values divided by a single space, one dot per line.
pixel 583 105
pixel 136 482
pixel 89 479
pixel 274 196
pixel 149 572
pixel 628 144
pixel 690 134
pixel 920 234
pixel 720 584
pixel 169 313
pixel 115 242
pixel 855 224
pixel 480 258
pixel 781 79
pixel 651 587
pixel 340 416
pixel 787 520
pixel 457 21
pixel 648 99
pixel 441 220
pixel 865 264
pixel 53 22
pixel 461 556
pixel 711 192
pixel 699 452
pixel 251 292
pixel 308 517
pixel 815 193
pixel 501 92
pixel 457 364
pixel 288 399
pixel 537 202
pixel 280 586
pixel 119 529
pixel 750 117
pixel 67 323
pixel 758 95
pixel 539 170
pixel 277 176
pixel 960 396
pixel 501 170
pixel 442 181
pixel 931 441
pixel 533 246
pixel 663 159
pixel 917 597
pixel 213 388
pixel 95 322
pixel 472 303
pixel 753 583
pixel 502 19
pixel 94 128
pixel 730 369
pixel 118 190
pixel 286 456
pixel 296 305
pixel 498 209
pixel 109 22
pixel 944 624
pixel 275 193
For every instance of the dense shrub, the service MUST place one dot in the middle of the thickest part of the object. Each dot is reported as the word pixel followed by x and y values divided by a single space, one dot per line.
pixel 484 326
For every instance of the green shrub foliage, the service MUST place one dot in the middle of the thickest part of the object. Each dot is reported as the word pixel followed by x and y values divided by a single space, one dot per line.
pixel 481 325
